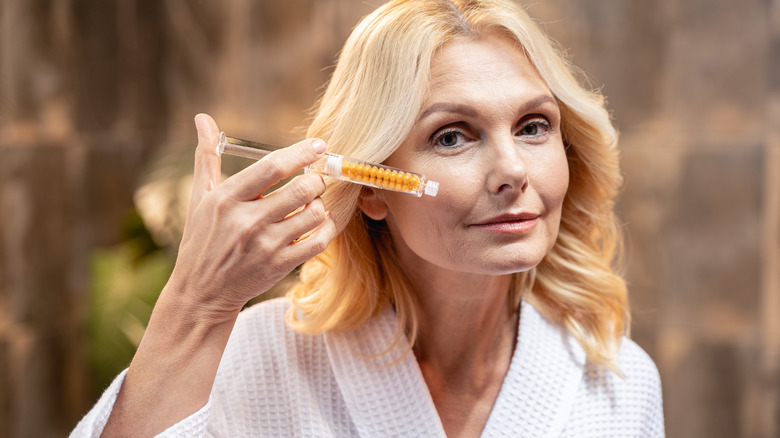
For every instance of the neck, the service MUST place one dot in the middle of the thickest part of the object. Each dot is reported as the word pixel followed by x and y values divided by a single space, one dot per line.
pixel 465 341
pixel 467 325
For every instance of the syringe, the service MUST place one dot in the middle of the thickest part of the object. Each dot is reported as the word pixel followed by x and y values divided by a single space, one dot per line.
pixel 339 167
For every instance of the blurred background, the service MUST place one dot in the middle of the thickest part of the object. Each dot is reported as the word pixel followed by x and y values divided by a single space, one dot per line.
pixel 96 141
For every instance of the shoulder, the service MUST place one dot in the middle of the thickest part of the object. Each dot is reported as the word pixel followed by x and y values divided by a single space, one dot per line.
pixel 640 384
pixel 637 366
pixel 631 402
pixel 639 377
pixel 261 330
pixel 605 403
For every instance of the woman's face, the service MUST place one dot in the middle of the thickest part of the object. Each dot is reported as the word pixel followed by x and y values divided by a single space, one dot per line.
pixel 489 133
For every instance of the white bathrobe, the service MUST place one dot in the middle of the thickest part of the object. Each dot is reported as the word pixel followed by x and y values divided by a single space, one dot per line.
pixel 277 383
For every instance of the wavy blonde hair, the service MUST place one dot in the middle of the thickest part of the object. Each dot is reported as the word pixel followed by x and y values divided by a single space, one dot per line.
pixel 369 107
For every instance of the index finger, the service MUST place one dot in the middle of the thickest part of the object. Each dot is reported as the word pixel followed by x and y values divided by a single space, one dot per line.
pixel 274 167
pixel 207 162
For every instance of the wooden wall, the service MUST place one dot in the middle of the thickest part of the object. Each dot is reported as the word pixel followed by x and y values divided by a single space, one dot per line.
pixel 91 91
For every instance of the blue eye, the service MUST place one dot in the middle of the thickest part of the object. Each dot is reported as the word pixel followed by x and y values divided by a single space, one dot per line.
pixel 447 139
pixel 535 128
pixel 530 129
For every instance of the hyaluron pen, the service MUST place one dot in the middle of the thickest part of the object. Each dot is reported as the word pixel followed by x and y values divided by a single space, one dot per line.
pixel 340 167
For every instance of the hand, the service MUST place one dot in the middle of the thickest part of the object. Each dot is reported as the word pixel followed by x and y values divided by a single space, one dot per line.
pixel 239 242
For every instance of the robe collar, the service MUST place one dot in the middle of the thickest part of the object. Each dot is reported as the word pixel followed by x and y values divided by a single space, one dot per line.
pixel 386 394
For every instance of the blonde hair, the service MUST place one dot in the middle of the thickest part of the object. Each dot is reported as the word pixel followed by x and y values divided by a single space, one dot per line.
pixel 368 109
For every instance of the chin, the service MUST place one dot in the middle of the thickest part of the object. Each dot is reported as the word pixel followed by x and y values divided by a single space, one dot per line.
pixel 517 261
pixel 511 267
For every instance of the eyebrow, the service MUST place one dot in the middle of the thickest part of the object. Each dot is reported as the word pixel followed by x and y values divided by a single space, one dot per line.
pixel 469 111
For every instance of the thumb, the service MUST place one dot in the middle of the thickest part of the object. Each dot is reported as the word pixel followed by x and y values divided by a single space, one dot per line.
pixel 207 162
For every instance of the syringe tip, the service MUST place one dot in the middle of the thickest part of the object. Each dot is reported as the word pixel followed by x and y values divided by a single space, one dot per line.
pixel 431 188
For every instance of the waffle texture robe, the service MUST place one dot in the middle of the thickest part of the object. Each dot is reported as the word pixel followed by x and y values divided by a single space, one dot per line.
pixel 275 382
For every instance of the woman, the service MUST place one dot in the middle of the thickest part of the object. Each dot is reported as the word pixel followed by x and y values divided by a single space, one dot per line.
pixel 491 309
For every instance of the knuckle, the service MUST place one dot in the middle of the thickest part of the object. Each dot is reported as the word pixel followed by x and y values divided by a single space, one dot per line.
pixel 264 246
pixel 274 169
pixel 244 231
pixel 321 186
pixel 220 203
pixel 319 243
pixel 302 190
pixel 317 211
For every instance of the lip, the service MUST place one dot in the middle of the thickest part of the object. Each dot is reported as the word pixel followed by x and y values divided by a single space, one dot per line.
pixel 509 222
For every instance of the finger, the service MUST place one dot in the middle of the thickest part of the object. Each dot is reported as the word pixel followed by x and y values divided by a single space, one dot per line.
pixel 314 242
pixel 297 226
pixel 207 162
pixel 260 176
pixel 294 195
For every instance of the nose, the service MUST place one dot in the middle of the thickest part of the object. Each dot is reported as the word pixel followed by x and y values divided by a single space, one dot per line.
pixel 508 172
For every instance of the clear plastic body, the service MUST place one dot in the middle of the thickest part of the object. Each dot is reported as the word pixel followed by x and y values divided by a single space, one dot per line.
pixel 340 167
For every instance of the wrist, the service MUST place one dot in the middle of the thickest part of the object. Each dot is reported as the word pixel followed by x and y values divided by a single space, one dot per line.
pixel 185 297
pixel 184 319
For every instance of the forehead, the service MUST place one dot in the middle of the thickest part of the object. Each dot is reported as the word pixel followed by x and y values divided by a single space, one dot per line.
pixel 494 64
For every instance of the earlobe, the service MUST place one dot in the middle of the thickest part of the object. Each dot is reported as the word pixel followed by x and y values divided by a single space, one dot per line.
pixel 372 203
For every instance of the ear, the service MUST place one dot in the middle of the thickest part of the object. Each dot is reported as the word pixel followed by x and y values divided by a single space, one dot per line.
pixel 372 203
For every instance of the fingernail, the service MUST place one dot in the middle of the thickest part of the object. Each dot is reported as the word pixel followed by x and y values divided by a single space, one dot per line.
pixel 318 145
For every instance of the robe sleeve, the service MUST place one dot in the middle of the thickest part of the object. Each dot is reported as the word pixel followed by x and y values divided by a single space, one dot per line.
pixel 94 422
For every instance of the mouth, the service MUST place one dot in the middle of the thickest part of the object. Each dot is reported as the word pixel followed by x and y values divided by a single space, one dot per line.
pixel 509 223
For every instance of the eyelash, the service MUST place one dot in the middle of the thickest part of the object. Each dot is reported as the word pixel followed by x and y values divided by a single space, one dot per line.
pixel 437 136
pixel 539 122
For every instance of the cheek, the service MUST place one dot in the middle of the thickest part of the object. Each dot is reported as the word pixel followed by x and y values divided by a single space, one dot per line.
pixel 459 189
pixel 552 181
pixel 425 223
pixel 458 193
pixel 425 218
